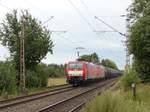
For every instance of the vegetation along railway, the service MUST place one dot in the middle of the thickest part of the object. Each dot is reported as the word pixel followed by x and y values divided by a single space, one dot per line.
pixel 59 100
pixel 66 98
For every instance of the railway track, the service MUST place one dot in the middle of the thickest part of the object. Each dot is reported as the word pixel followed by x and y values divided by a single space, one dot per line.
pixel 77 108
pixel 28 98
pixel 64 99
pixel 76 102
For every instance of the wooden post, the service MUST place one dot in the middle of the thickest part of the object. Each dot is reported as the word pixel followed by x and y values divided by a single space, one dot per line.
pixel 134 90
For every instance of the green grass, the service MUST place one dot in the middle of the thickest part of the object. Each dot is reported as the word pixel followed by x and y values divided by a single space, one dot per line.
pixel 120 101
pixel 143 93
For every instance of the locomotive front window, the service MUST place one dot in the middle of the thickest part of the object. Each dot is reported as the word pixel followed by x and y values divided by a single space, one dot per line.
pixel 75 66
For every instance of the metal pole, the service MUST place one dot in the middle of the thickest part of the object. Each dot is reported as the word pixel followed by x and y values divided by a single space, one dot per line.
pixel 127 50
pixel 78 50
pixel 78 54
pixel 22 59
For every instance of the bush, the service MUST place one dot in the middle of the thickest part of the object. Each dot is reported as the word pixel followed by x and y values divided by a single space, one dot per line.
pixel 32 79
pixel 37 78
pixel 130 76
pixel 42 73
pixel 7 78
pixel 56 70
pixel 114 102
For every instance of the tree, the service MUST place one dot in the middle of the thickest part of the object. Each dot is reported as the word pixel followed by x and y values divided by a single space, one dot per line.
pixel 90 58
pixel 109 63
pixel 139 41
pixel 138 9
pixel 7 77
pixel 37 38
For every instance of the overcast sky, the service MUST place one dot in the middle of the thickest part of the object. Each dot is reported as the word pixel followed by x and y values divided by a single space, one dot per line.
pixel 77 18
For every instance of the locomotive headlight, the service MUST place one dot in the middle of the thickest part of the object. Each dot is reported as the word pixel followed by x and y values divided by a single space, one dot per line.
pixel 75 73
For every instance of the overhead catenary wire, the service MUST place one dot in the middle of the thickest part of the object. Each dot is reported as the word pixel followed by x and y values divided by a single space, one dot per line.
pixel 74 42
pixel 90 14
pixel 53 22
pixel 81 15
pixel 51 31
pixel 111 27
pixel 86 7
pixel 73 45
pixel 43 23
pixel 70 41
pixel 47 20
pixel 103 31
pixel 66 43
pixel 87 10
pixel 122 34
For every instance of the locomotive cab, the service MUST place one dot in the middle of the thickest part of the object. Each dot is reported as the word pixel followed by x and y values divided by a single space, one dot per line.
pixel 75 73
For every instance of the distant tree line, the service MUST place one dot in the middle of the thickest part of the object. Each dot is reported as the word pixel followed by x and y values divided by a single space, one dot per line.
pixel 55 70
pixel 94 58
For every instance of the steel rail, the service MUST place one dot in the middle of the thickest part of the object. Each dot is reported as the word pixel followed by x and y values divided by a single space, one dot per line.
pixel 50 107
pixel 28 98
pixel 77 108
pixel 55 88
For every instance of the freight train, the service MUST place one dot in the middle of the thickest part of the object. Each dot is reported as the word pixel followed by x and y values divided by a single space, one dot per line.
pixel 79 72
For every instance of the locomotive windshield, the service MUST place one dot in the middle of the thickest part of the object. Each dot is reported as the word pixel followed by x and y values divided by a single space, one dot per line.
pixel 75 66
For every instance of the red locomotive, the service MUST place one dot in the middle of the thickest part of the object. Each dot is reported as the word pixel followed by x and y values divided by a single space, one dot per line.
pixel 79 72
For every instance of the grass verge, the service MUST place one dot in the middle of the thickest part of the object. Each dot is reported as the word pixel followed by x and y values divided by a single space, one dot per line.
pixel 121 101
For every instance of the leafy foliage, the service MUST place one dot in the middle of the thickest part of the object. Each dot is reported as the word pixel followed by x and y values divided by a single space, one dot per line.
pixel 139 41
pixel 37 38
pixel 37 78
pixel 42 73
pixel 56 70
pixel 138 9
pixel 7 77
pixel 34 78
pixel 130 76
pixel 109 63
pixel 90 58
